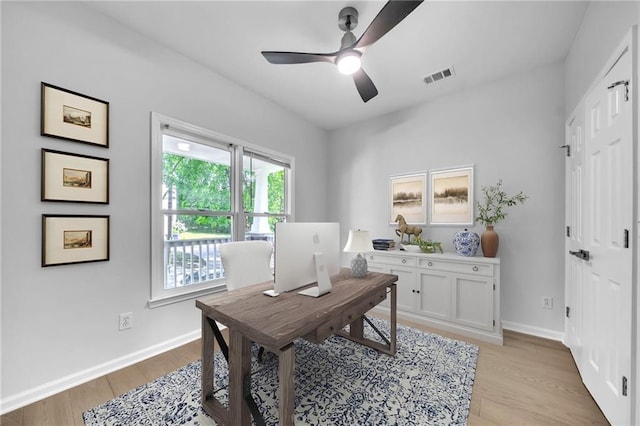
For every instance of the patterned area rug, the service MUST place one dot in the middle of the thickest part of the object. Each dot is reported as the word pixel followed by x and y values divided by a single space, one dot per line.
pixel 340 382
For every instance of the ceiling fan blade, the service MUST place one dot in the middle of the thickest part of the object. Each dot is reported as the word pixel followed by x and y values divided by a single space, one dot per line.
pixel 298 58
pixel 391 15
pixel 365 86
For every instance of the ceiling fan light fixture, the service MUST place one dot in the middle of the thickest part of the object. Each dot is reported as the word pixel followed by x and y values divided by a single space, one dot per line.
pixel 349 62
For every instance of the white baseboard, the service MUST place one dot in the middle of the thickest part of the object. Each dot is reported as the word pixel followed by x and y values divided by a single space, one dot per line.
pixel 534 331
pixel 45 390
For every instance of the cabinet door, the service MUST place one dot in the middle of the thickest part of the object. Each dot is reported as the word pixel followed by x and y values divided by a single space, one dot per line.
pixel 473 301
pixel 405 287
pixel 434 294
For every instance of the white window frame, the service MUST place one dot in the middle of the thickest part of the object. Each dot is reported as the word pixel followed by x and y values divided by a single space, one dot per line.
pixel 160 125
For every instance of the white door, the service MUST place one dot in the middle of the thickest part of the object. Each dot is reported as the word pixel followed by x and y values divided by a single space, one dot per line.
pixel 608 214
pixel 405 288
pixel 473 301
pixel 434 299
pixel 574 266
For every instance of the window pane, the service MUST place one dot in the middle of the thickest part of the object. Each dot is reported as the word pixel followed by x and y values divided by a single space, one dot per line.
pixel 192 253
pixel 264 226
pixel 263 186
pixel 195 176
pixel 265 236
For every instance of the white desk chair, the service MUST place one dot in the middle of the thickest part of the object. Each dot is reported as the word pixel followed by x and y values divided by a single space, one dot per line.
pixel 246 263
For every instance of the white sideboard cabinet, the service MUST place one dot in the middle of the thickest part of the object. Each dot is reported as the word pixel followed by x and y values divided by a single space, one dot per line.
pixel 446 291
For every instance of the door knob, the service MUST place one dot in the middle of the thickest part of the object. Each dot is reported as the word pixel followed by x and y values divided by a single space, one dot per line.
pixel 581 254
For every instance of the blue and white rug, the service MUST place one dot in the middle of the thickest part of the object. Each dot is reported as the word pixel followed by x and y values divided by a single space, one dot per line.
pixel 340 382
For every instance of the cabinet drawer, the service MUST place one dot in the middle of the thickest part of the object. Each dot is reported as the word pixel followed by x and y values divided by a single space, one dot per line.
pixel 391 260
pixel 325 330
pixel 360 309
pixel 319 335
pixel 466 267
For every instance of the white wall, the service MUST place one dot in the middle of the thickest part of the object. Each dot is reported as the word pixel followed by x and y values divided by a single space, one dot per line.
pixel 511 129
pixel 604 25
pixel 60 322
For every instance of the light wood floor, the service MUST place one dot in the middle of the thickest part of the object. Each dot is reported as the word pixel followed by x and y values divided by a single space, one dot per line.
pixel 528 381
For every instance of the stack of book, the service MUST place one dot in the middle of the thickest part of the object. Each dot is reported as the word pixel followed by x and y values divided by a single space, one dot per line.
pixel 383 244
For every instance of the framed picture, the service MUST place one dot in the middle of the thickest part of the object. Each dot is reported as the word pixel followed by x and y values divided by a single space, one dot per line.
pixel 74 178
pixel 407 198
pixel 72 116
pixel 74 239
pixel 451 193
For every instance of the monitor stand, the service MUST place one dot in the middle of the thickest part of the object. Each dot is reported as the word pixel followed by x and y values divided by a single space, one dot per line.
pixel 324 284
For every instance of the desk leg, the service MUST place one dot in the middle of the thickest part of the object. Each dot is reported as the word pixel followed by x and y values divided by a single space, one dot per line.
pixel 356 329
pixel 393 320
pixel 207 361
pixel 239 366
pixel 286 388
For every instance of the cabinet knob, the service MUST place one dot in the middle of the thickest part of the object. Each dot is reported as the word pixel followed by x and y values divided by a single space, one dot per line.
pixel 430 263
pixel 370 257
pixel 404 260
pixel 417 291
pixel 413 291
pixel 475 269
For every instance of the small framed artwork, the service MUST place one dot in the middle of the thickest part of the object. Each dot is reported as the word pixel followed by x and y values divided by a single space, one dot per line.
pixel 74 239
pixel 407 198
pixel 451 193
pixel 74 178
pixel 73 116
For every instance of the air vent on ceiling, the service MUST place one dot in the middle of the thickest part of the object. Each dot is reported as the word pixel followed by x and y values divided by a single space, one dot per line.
pixel 440 75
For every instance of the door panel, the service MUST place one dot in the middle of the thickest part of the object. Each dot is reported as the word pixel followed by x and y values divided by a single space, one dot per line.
pixel 405 288
pixel 435 294
pixel 473 301
pixel 574 241
pixel 609 196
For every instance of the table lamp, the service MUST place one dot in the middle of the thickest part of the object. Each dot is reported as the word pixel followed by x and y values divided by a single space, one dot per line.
pixel 358 242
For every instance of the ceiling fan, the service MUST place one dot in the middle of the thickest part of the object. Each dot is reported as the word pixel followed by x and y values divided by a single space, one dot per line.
pixel 348 57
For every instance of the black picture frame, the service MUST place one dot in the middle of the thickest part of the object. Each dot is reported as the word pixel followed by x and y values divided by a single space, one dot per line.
pixel 73 116
pixel 68 239
pixel 69 177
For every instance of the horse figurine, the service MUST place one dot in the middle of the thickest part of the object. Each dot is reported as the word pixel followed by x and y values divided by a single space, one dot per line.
pixel 403 229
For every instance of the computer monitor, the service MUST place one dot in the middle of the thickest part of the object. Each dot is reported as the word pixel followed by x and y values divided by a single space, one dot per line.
pixel 306 252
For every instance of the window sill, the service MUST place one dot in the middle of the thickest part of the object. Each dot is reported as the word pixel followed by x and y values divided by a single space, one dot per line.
pixel 168 300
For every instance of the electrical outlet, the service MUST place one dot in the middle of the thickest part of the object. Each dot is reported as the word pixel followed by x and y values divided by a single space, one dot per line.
pixel 547 302
pixel 126 321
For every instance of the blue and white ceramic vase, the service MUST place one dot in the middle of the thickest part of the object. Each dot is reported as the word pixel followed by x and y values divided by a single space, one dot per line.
pixel 466 243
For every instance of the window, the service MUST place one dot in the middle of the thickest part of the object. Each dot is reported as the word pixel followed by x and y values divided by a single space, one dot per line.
pixel 208 189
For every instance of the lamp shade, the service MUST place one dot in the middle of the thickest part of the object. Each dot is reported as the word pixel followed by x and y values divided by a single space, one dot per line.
pixel 358 242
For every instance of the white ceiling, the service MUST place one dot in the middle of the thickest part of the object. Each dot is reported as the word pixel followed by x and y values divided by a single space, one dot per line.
pixel 482 40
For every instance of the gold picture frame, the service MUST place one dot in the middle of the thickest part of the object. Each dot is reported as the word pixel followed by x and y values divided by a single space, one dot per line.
pixel 76 178
pixel 407 198
pixel 451 196
pixel 74 239
pixel 73 116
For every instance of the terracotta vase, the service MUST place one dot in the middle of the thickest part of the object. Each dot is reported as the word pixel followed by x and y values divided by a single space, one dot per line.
pixel 489 242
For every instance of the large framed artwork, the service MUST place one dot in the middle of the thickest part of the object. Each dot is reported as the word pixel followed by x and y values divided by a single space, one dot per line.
pixel 74 178
pixel 74 239
pixel 451 196
pixel 73 116
pixel 407 198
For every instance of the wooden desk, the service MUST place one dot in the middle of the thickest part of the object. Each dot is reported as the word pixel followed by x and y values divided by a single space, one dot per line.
pixel 275 322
